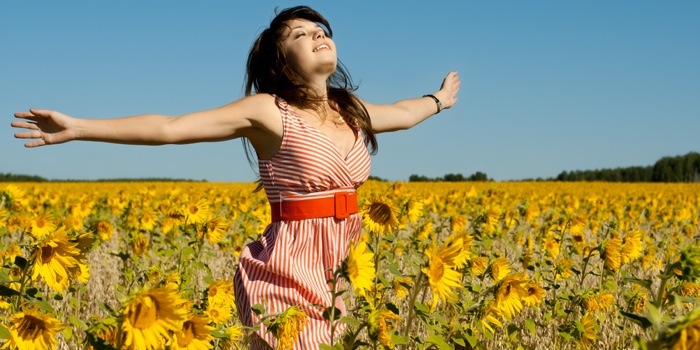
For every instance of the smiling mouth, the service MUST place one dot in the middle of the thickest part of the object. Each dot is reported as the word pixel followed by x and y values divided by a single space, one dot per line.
pixel 322 47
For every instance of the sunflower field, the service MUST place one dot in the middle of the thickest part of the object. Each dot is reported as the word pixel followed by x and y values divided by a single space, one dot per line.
pixel 493 265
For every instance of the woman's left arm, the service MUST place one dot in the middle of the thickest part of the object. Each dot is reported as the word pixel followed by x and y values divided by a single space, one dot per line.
pixel 405 114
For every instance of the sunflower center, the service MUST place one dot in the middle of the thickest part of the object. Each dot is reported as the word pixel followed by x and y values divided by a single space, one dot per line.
pixel 212 291
pixel 380 213
pixel 193 209
pixel 145 314
pixel 31 327
pixel 187 335
pixel 47 252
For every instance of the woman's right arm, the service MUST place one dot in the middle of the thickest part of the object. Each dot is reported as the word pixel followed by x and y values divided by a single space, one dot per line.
pixel 45 127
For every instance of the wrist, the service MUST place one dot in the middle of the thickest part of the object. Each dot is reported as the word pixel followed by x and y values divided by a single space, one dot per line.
pixel 437 101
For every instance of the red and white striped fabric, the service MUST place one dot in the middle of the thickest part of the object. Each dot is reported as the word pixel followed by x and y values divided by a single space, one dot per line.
pixel 292 261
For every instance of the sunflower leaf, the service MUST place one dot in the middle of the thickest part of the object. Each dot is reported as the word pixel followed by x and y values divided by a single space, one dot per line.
pixel 350 321
pixel 21 262
pixel 258 309
pixel 332 312
pixel 640 320
pixel 7 292
pixel 4 333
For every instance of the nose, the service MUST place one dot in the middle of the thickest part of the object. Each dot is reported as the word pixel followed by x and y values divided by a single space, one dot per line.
pixel 320 34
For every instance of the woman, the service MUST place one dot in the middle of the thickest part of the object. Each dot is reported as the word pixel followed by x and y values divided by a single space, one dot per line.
pixel 310 135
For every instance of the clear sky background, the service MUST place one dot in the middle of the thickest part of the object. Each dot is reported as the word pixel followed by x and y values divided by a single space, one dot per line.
pixel 547 85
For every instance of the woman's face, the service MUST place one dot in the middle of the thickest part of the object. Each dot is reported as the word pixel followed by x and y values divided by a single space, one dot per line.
pixel 308 49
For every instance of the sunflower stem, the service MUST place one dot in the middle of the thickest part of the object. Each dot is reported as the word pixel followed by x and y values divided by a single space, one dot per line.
pixel 411 306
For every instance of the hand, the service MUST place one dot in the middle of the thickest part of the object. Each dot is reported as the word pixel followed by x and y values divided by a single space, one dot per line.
pixel 448 91
pixel 44 127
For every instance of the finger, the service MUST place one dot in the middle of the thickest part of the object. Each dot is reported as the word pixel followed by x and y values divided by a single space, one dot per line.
pixel 36 143
pixel 24 125
pixel 28 135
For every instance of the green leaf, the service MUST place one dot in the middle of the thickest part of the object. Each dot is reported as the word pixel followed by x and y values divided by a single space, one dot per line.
pixel 439 342
pixel 217 333
pixel 21 262
pixel 640 320
pixel 530 325
pixel 68 333
pixel 654 315
pixel 399 339
pixel 7 292
pixel 512 330
pixel 4 332
pixel 394 268
pixel 644 283
pixel 333 312
pixel 78 323
pixel 350 321
pixel 393 308
pixel 258 309
pixel 4 277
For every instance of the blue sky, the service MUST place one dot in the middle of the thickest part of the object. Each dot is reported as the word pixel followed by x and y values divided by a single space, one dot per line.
pixel 547 86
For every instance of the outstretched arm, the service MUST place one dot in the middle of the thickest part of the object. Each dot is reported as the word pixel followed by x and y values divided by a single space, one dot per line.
pixel 46 127
pixel 405 114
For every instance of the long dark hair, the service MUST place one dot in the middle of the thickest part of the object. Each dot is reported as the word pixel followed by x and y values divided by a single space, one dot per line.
pixel 268 71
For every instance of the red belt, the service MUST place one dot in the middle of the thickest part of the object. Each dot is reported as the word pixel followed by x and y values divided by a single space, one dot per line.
pixel 340 206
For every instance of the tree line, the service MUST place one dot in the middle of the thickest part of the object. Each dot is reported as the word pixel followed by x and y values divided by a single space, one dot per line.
pixel 477 176
pixel 684 168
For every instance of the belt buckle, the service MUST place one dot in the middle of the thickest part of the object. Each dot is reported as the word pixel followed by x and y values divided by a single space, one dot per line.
pixel 341 205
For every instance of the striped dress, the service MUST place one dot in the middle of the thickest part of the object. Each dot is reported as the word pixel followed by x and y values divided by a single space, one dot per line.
pixel 292 261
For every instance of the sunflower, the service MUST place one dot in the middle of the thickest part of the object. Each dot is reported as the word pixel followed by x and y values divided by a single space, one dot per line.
pixel 500 268
pixel 535 294
pixel 381 325
pixel 488 315
pixel 441 275
pixel 33 330
pixel 104 229
pixel 104 332
pixel 42 225
pixel 478 265
pixel 221 292
pixel 287 326
pixel 53 258
pixel 14 192
pixel 234 336
pixel 458 223
pixel 380 215
pixel 219 313
pixel 414 210
pixel 401 286
pixel 463 243
pixel 197 211
pixel 632 246
pixel 562 268
pixel 173 281
pixel 150 316
pixel 359 268
pixel 215 229
pixel 586 330
pixel 689 289
pixel 687 268
pixel 194 335
pixel 510 293
pixel 12 252
pixel 551 245
pixel 140 244
pixel 612 253
pixel 72 222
